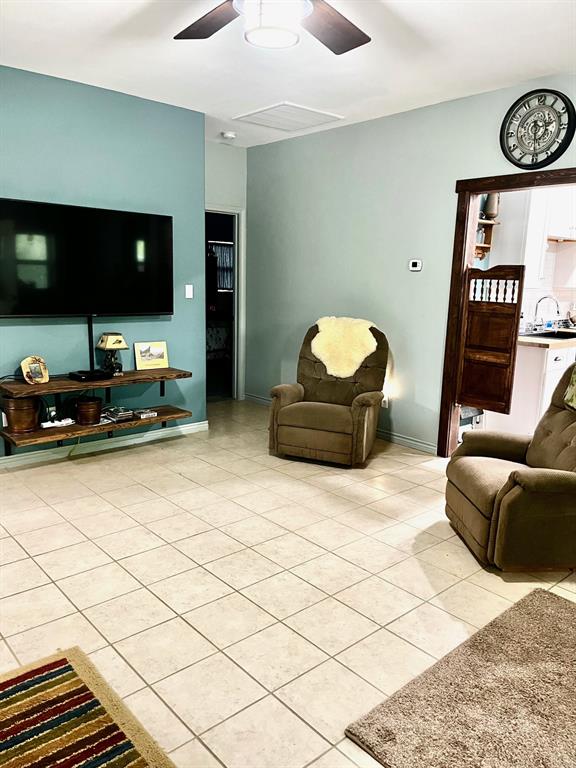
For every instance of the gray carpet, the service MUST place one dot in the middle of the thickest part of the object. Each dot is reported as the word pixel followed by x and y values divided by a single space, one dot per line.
pixel 504 698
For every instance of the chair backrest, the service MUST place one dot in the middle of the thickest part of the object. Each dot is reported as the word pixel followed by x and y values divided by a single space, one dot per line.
pixel 554 443
pixel 320 386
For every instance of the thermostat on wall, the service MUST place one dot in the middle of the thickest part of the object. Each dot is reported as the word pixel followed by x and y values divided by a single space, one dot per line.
pixel 415 265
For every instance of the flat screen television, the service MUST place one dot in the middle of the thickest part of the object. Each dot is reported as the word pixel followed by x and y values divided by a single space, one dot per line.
pixel 67 260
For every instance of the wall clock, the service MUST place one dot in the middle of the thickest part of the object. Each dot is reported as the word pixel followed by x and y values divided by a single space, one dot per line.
pixel 538 129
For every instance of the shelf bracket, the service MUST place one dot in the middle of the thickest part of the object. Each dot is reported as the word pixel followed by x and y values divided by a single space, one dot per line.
pixel 162 388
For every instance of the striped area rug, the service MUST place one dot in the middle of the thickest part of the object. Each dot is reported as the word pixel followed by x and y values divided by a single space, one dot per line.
pixel 60 712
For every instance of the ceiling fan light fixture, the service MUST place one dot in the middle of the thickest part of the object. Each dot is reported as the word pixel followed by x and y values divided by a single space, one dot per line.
pixel 273 23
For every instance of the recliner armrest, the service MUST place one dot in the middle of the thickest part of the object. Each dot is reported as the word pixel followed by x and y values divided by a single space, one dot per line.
pixel 498 445
pixel 538 480
pixel 367 399
pixel 287 394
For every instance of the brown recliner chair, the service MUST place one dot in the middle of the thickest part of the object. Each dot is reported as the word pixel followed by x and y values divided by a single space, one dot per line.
pixel 325 417
pixel 512 499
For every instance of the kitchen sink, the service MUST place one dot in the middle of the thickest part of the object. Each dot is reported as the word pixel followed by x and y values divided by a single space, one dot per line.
pixel 562 333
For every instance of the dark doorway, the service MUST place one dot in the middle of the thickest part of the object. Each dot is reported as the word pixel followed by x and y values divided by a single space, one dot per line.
pixel 220 305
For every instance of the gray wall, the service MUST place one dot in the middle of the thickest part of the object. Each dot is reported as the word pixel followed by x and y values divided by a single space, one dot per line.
pixel 225 176
pixel 333 219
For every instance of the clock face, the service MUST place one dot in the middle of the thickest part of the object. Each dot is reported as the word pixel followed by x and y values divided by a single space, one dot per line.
pixel 537 129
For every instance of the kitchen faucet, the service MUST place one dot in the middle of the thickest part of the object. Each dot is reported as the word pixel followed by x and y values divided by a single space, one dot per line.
pixel 552 298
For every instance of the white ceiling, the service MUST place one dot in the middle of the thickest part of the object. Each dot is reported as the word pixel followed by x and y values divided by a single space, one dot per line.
pixel 422 52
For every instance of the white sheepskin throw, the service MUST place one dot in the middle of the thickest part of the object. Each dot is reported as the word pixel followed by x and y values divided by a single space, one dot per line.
pixel 342 344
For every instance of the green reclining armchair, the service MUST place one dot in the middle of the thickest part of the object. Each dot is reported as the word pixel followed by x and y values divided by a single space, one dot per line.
pixel 512 499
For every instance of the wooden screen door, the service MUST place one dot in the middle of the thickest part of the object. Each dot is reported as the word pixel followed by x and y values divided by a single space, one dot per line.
pixel 490 320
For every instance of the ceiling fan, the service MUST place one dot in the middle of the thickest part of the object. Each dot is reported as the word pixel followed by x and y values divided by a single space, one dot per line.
pixel 276 24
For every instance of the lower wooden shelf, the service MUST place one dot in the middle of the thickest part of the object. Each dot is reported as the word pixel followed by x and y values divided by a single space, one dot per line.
pixel 57 434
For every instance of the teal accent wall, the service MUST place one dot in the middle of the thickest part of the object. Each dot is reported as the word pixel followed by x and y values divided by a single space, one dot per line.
pixel 333 219
pixel 64 142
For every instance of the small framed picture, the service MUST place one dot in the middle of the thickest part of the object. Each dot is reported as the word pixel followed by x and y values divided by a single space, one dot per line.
pixel 34 370
pixel 150 355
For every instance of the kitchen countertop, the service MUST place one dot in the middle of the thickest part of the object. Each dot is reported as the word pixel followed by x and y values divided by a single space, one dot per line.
pixel 536 341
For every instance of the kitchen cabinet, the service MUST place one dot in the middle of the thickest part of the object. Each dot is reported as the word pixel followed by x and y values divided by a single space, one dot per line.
pixel 561 220
pixel 539 368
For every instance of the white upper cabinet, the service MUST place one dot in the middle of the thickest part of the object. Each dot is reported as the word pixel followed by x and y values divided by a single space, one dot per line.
pixel 561 224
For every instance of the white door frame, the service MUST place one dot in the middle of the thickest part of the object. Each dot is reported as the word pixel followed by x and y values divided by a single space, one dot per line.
pixel 239 367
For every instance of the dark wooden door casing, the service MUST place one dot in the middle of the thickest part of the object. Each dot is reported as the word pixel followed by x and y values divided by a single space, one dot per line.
pixel 490 320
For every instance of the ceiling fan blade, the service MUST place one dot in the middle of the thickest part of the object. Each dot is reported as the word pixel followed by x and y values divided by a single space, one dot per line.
pixel 332 29
pixel 210 23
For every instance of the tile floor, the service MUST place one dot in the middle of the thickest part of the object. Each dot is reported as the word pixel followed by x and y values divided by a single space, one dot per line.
pixel 247 608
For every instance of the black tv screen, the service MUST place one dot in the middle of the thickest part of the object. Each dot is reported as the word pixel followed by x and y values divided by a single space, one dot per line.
pixel 60 260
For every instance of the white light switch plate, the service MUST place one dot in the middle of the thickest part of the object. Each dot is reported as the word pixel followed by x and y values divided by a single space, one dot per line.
pixel 189 291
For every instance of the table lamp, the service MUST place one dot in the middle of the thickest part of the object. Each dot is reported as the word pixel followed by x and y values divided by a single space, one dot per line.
pixel 111 342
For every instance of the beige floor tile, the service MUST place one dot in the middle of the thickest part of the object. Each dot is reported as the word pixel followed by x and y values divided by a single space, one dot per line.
pixel 417 475
pixel 149 511
pixel 283 594
pixel 427 497
pixel 331 626
pixel 370 554
pixel 330 534
pixel 11 551
pixel 54 492
pixel 129 542
pixel 312 697
pixel 18 499
pixel 32 608
pixel 188 590
pixel 329 504
pixel 330 481
pixel 406 538
pixel 168 484
pixel 289 550
pixel 438 485
pixel 398 507
pixel 243 568
pixel 254 530
pixel 452 558
pixel 208 474
pixel 433 522
pixel 85 507
pixel 431 629
pixel 512 586
pixel 391 483
pixel 208 546
pixel 48 539
pixel 229 619
pixel 20 576
pixel 569 583
pixel 132 494
pixel 363 493
pixel 244 467
pixel 384 465
pixel 157 564
pixel 195 499
pixel 223 512
pixel 67 632
pixel 269 478
pixel 30 519
pixel 8 661
pixel 330 573
pixel 159 721
pixel 126 615
pixel 275 655
pixel 98 585
pixel 261 501
pixel 117 673
pixel 286 741
pixel 471 603
pixel 565 593
pixel 194 755
pixel 162 650
pixel 378 600
pixel 178 527
pixel 70 560
pixel 208 692
pixel 233 488
pixel 104 523
pixel 293 516
pixel 419 578
pixel 365 520
pixel 386 661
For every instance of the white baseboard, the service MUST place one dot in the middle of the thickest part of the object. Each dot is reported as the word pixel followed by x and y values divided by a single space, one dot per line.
pixel 409 442
pixel 96 446
pixel 257 399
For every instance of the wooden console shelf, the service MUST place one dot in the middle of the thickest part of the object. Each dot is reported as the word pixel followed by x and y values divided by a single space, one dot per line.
pixel 62 385
pixel 52 434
